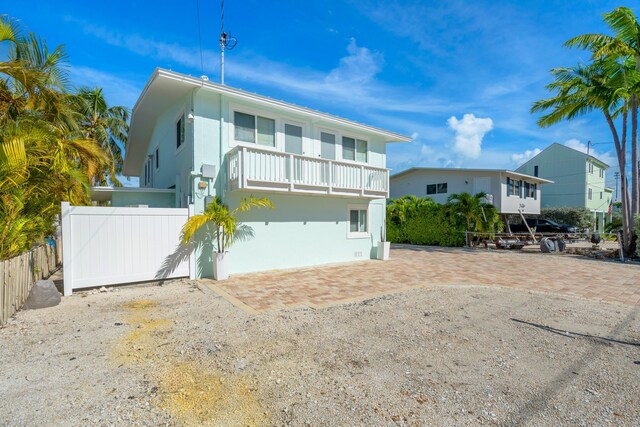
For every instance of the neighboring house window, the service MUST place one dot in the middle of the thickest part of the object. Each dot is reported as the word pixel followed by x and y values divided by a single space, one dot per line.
pixel 590 167
pixel 146 173
pixel 180 132
pixel 250 128
pixel 358 221
pixel 601 170
pixel 535 170
pixel 601 195
pixel 514 187
pixel 527 189
pixel 157 158
pixel 534 191
pixel 590 194
pixel 354 149
pixel 440 188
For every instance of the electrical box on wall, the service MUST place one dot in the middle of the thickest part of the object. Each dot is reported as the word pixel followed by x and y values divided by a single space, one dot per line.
pixel 208 171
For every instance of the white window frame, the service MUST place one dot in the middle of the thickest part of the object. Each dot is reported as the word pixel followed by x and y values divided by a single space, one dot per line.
pixel 233 108
pixel 356 138
pixel 591 168
pixel 590 194
pixel 358 234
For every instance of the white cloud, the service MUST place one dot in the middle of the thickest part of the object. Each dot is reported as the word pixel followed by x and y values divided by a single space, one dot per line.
pixel 469 134
pixel 520 158
pixel 359 67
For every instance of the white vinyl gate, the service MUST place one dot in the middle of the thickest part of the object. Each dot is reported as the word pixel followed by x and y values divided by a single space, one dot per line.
pixel 109 245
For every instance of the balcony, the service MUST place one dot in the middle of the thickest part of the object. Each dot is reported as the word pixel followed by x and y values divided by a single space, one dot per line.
pixel 259 169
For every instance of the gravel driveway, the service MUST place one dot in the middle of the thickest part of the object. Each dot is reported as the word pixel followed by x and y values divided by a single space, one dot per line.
pixel 179 354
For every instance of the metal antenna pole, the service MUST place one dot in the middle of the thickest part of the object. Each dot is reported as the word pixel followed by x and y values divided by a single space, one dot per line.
pixel 223 40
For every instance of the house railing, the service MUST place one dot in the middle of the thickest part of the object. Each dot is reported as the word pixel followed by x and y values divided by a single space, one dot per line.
pixel 256 168
pixel 18 274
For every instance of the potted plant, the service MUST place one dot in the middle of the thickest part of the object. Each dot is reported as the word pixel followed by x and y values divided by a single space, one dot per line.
pixel 383 245
pixel 224 228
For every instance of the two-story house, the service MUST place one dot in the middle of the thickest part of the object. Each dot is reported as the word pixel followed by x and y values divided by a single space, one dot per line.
pixel 326 175
pixel 579 180
pixel 510 192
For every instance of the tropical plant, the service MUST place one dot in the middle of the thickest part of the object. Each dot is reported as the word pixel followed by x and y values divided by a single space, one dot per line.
pixel 45 158
pixel 105 125
pixel 222 223
pixel 479 216
pixel 584 89
pixel 398 210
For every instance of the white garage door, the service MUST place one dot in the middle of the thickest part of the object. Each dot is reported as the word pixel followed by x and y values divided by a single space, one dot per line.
pixel 107 245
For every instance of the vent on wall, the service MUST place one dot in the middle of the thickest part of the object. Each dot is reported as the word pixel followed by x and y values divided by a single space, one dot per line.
pixel 357 254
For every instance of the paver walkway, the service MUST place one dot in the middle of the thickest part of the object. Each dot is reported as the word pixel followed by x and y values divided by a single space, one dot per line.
pixel 413 267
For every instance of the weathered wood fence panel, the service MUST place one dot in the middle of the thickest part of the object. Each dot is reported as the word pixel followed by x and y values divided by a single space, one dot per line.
pixel 18 274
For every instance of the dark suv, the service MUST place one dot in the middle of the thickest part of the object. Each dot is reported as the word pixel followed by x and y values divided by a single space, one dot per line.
pixel 544 226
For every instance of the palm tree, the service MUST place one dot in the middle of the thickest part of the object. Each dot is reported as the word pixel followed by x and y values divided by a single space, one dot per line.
pixel 479 215
pixel 584 89
pixel 226 228
pixel 405 207
pixel 623 46
pixel 107 126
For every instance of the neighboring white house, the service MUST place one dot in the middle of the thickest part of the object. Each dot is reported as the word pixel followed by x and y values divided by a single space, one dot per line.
pixel 326 175
pixel 579 180
pixel 510 192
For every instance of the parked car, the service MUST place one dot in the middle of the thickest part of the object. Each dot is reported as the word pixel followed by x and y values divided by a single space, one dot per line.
pixel 543 226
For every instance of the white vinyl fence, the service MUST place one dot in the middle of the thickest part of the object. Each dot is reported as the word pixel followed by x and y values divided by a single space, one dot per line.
pixel 109 245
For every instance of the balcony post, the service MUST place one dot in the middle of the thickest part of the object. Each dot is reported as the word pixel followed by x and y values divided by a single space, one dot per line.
pixel 291 174
pixel 330 177
pixel 362 184
pixel 243 162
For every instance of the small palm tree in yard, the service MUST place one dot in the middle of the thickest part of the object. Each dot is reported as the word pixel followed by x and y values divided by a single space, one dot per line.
pixel 224 226
pixel 479 216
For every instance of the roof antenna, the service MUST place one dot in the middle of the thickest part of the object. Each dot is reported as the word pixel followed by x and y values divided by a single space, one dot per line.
pixel 226 42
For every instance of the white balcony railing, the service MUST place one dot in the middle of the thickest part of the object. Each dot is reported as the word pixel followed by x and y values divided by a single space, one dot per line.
pixel 256 168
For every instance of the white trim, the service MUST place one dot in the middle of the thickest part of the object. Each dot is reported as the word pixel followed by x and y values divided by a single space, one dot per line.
pixel 358 234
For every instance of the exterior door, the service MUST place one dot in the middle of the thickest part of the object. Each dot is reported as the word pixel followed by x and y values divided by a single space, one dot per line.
pixel 292 139
pixel 327 145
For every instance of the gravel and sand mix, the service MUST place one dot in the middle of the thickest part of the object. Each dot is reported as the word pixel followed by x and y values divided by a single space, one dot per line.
pixel 178 354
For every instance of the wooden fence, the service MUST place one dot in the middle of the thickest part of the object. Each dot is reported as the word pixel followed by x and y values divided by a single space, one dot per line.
pixel 18 274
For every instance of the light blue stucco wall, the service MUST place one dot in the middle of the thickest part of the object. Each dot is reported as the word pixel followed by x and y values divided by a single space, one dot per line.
pixel 302 231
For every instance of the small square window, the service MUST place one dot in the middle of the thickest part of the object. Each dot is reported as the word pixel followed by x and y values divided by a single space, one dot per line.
pixel 432 189
pixel 358 222
pixel 442 188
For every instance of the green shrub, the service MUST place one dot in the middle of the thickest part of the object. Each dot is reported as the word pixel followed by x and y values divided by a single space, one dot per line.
pixel 426 224
pixel 577 217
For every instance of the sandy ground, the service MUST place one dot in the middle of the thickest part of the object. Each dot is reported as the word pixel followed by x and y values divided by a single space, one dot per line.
pixel 180 355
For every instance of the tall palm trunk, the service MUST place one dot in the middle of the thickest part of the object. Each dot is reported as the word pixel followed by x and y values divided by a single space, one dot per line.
pixel 635 191
pixel 621 147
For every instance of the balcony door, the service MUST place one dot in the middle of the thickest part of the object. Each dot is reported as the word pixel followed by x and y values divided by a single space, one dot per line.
pixel 293 139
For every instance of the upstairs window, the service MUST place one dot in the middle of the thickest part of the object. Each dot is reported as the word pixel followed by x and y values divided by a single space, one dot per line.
pixel 590 167
pixel 601 172
pixel 535 170
pixel 157 156
pixel 440 188
pixel 254 129
pixel 590 194
pixel 514 187
pixel 354 149
pixel 180 132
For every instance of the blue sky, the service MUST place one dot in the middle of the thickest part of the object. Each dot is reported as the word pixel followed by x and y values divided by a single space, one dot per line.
pixel 459 76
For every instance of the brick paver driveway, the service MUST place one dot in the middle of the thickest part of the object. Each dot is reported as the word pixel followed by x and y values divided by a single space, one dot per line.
pixel 414 267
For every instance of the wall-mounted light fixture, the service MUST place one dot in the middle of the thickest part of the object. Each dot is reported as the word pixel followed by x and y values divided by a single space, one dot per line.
pixel 190 117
